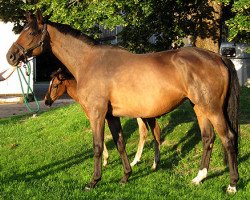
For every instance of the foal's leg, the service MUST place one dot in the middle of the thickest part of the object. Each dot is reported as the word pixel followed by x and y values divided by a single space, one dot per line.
pixel 116 131
pixel 156 131
pixel 143 130
pixel 227 137
pixel 105 155
pixel 208 137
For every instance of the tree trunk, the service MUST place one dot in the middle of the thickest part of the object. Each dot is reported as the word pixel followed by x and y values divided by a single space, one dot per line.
pixel 208 28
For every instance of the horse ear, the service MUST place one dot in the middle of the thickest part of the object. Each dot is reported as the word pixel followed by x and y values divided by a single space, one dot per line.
pixel 29 16
pixel 39 17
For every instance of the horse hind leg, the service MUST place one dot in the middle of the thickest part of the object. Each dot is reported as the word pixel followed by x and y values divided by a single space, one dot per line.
pixel 208 137
pixel 143 130
pixel 156 131
pixel 227 137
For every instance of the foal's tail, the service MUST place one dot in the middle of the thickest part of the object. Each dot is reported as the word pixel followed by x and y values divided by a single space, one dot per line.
pixel 231 109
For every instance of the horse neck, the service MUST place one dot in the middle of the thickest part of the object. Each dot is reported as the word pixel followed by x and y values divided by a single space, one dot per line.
pixel 71 51
pixel 71 89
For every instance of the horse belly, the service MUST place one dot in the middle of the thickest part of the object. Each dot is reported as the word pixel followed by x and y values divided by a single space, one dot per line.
pixel 146 106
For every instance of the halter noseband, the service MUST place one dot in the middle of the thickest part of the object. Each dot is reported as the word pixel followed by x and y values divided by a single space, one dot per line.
pixel 40 44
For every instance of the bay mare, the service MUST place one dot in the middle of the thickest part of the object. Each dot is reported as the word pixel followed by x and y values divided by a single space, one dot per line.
pixel 112 82
pixel 63 82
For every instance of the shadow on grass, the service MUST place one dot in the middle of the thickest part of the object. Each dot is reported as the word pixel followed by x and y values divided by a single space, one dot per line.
pixel 187 142
pixel 182 148
pixel 183 114
pixel 51 168
pixel 243 181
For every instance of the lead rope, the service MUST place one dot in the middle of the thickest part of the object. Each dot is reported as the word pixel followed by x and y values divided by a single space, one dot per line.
pixel 26 96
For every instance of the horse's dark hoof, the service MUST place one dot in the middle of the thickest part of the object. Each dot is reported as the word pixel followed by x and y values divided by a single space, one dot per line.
pixel 124 179
pixel 90 186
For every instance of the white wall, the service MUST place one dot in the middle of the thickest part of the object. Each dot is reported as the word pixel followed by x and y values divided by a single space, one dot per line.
pixel 12 84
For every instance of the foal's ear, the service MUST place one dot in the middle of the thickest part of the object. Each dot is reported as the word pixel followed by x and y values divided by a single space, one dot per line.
pixel 59 70
pixel 39 17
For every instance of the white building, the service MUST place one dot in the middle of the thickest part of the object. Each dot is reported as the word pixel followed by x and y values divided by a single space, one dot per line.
pixel 10 86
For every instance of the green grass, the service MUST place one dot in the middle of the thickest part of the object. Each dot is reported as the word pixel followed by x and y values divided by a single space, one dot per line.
pixel 51 157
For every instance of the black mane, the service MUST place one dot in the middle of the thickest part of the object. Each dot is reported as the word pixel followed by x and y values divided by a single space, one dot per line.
pixel 63 71
pixel 66 29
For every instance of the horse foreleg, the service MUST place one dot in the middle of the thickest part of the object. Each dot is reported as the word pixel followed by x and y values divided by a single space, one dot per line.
pixel 156 131
pixel 208 137
pixel 116 131
pixel 143 130
pixel 97 120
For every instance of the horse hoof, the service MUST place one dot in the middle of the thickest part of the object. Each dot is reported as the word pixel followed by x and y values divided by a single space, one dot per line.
pixel 202 174
pixel 133 163
pixel 154 167
pixel 105 163
pixel 231 190
pixel 90 186
pixel 124 179
pixel 196 181
pixel 87 188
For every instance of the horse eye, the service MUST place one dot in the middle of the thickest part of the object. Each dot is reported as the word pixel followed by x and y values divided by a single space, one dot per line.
pixel 33 33
pixel 55 86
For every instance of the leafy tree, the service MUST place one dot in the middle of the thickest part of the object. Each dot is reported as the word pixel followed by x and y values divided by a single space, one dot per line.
pixel 168 21
pixel 239 24
pixel 10 11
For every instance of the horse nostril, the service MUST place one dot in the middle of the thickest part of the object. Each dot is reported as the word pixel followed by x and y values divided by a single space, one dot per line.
pixel 12 57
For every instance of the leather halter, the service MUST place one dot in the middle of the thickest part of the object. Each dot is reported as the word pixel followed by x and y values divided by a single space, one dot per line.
pixel 40 44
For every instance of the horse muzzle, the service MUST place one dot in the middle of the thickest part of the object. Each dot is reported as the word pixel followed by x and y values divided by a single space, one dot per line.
pixel 13 57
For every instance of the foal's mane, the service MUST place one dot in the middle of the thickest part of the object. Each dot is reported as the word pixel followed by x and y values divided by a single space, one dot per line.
pixel 63 72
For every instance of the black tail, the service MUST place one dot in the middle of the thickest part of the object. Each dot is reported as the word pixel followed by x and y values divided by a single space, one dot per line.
pixel 231 110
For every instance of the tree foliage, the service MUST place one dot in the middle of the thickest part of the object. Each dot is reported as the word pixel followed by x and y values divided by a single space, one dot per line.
pixel 239 24
pixel 167 21
pixel 11 11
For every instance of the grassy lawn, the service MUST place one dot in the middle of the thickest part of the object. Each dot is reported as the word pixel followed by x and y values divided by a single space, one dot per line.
pixel 51 157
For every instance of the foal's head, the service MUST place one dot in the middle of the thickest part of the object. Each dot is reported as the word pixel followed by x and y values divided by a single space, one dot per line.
pixel 57 87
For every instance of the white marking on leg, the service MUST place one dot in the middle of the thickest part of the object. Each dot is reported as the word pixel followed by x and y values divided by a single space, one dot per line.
pixel 135 161
pixel 143 135
pixel 105 155
pixel 157 156
pixel 154 166
pixel 201 175
pixel 231 190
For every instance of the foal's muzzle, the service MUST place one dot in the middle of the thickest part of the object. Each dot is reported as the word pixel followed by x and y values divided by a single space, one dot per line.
pixel 48 101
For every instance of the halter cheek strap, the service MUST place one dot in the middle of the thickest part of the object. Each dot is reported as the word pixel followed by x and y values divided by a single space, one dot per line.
pixel 40 44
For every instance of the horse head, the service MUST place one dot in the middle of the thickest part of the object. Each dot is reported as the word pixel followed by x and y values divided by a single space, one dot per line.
pixel 31 42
